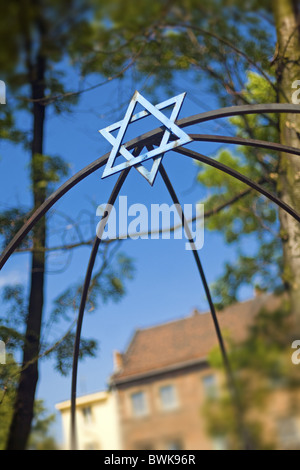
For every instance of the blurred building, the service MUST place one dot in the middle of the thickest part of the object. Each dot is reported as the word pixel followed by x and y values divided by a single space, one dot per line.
pixel 161 383
pixel 164 378
pixel 97 421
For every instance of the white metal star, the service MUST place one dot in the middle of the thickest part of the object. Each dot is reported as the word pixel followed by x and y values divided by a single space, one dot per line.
pixel 157 153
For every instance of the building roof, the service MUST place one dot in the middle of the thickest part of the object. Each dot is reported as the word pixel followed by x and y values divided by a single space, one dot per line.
pixel 83 401
pixel 188 340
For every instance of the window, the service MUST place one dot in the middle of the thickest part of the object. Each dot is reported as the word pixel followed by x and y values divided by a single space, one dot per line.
pixel 168 398
pixel 87 414
pixel 210 386
pixel 139 404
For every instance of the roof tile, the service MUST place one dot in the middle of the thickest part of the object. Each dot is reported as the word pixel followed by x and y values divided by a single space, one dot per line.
pixel 190 338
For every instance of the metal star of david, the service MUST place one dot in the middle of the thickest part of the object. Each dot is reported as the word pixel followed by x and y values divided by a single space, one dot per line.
pixel 157 153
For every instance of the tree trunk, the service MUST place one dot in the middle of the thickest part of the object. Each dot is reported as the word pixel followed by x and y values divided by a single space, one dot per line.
pixel 288 70
pixel 23 411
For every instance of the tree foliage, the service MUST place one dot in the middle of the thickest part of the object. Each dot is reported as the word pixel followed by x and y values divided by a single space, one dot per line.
pixel 40 437
pixel 252 218
pixel 226 48
pixel 40 37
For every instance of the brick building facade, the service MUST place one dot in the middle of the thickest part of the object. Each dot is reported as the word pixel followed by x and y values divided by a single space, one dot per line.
pixel 164 378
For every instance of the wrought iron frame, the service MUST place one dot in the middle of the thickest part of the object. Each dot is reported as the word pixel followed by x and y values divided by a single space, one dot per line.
pixel 148 140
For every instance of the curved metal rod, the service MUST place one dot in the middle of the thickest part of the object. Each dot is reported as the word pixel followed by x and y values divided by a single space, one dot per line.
pixel 83 300
pixel 143 140
pixel 198 262
pixel 228 370
pixel 247 142
pixel 47 204
pixel 238 176
pixel 53 198
pixel 151 136
pixel 238 111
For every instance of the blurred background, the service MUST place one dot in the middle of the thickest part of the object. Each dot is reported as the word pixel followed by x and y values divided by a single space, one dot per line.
pixel 151 375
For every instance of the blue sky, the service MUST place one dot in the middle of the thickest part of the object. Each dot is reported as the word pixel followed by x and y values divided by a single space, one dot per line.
pixel 166 285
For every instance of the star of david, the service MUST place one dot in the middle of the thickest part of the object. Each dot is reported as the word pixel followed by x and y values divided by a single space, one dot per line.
pixel 156 153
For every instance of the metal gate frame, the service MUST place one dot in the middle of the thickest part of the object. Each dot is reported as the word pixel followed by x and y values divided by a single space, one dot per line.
pixel 148 140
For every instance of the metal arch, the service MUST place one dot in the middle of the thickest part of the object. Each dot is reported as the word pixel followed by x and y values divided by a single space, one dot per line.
pixel 165 144
pixel 239 111
pixel 84 294
pixel 240 177
pixel 225 169
pixel 47 204
pixel 83 300
pixel 247 142
pixel 153 135
pixel 228 371
pixel 148 139
pixel 144 139
pixel 97 241
pixel 175 200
